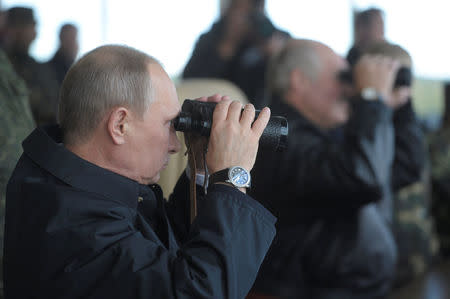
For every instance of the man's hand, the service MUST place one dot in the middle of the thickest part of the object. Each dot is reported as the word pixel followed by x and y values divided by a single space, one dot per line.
pixel 234 136
pixel 400 96
pixel 377 72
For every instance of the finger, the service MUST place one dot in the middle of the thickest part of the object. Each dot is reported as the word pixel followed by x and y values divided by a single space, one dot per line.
pixel 221 111
pixel 395 65
pixel 214 98
pixel 403 93
pixel 201 99
pixel 248 115
pixel 261 122
pixel 392 67
pixel 234 111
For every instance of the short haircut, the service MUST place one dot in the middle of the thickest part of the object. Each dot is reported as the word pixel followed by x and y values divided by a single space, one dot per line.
pixel 20 16
pixel 364 18
pixel 392 51
pixel 107 77
pixel 67 27
pixel 297 54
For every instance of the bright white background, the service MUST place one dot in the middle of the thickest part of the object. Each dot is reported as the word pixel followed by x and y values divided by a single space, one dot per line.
pixel 168 29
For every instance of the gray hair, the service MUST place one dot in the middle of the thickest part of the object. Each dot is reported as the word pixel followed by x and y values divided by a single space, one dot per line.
pixel 297 54
pixel 107 77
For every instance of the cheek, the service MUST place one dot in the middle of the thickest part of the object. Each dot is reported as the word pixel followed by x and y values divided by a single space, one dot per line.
pixel 160 143
pixel 338 107
pixel 154 146
pixel 344 111
pixel 327 101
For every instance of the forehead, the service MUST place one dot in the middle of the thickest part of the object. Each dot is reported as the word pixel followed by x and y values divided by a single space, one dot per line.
pixel 332 62
pixel 165 95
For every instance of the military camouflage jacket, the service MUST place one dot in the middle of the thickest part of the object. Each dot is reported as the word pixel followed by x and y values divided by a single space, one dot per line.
pixel 16 122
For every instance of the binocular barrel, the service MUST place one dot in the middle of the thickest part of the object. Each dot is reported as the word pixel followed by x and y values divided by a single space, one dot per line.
pixel 196 117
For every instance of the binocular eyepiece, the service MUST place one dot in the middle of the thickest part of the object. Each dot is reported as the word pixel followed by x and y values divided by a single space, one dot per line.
pixel 197 116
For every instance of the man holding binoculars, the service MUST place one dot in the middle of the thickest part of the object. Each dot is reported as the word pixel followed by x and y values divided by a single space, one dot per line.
pixel 84 217
pixel 330 189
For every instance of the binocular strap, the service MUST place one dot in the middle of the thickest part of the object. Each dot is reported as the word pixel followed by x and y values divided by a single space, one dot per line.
pixel 193 187
pixel 193 170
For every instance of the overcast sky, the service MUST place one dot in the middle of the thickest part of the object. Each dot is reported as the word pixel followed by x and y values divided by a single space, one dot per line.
pixel 168 29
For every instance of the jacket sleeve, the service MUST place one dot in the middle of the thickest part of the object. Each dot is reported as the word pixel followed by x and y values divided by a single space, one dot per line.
pixel 354 171
pixel 410 150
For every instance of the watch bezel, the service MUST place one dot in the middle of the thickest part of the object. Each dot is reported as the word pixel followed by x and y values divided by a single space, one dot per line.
pixel 230 178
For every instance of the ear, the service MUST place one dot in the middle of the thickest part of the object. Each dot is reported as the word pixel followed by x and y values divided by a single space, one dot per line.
pixel 118 124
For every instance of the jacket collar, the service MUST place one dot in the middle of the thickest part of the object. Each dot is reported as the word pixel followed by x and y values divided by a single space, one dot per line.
pixel 44 147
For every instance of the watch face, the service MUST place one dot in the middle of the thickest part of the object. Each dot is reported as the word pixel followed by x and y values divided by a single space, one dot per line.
pixel 239 176
pixel 369 94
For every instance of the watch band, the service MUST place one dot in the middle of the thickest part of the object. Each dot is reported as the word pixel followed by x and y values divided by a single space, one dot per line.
pixel 220 176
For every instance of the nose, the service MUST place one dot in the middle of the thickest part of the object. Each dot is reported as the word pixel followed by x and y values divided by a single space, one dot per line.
pixel 174 142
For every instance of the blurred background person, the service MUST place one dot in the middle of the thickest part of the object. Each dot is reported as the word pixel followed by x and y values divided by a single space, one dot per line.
pixel 330 190
pixel 19 34
pixel 368 28
pixel 16 122
pixel 67 51
pixel 413 224
pixel 237 48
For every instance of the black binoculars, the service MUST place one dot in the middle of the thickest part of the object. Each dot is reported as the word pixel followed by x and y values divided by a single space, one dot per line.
pixel 196 116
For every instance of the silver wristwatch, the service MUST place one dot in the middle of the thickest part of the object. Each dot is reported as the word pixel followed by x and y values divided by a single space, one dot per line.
pixel 236 175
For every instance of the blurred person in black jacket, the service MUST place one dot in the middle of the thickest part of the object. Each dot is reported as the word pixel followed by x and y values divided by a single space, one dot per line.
pixel 237 48
pixel 413 225
pixel 84 216
pixel 67 51
pixel 331 188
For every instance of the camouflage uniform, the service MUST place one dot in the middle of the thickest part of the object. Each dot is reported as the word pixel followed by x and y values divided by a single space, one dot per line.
pixel 414 230
pixel 42 84
pixel 439 146
pixel 16 122
pixel 413 224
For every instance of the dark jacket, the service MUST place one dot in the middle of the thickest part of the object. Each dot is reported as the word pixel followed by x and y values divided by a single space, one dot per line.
pixel 246 68
pixel 60 65
pixel 75 230
pixel 353 55
pixel 332 195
